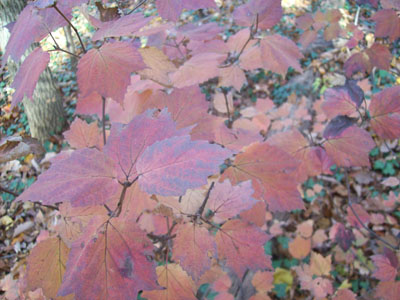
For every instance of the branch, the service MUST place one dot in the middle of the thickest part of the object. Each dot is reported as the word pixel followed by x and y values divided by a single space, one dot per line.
pixel 103 119
pixel 3 189
pixel 203 205
pixel 125 185
pixel 359 220
pixel 224 91
pixel 63 50
pixel 72 26
pixel 136 7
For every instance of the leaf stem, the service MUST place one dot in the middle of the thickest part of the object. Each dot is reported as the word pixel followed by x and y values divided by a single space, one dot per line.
pixel 224 91
pixel 203 205
pixel 103 119
pixel 137 6
pixel 72 26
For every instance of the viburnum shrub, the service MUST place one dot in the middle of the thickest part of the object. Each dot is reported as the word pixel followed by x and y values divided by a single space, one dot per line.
pixel 167 196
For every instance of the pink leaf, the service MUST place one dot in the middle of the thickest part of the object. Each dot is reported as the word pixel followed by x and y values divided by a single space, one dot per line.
pixel 28 75
pixel 82 135
pixel 171 9
pixel 269 13
pixel 107 70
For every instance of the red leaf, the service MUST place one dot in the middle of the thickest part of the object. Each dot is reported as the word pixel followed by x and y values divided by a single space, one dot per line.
pixel 385 113
pixel 346 145
pixel 342 100
pixel 127 143
pixel 278 53
pixel 362 214
pixel 344 237
pixel 171 9
pixel 109 261
pixel 388 290
pixel 87 177
pixel 386 265
pixel 271 171
pixel 107 70
pixel 178 285
pixel 227 201
pixel 387 24
pixel 89 105
pixel 193 248
pixel 28 74
pixel 345 295
pixel 241 245
pixel 124 26
pixel 269 13
pixel 171 166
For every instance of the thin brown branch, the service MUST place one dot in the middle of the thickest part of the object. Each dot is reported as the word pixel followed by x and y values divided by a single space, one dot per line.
pixel 63 50
pixel 224 91
pixel 136 7
pixel 103 119
pixel 72 26
pixel 3 189
pixel 203 205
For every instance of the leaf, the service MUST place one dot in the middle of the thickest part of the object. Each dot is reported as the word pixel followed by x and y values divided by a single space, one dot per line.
pixel 320 266
pixel 345 295
pixel 346 145
pixel 109 261
pixel 193 248
pixel 234 138
pixel 387 24
pixel 278 53
pixel 28 75
pixel 318 286
pixel 227 201
pixel 344 237
pixel 127 143
pixel 107 70
pixel 87 177
pixel 270 170
pixel 342 100
pixel 385 113
pixel 299 248
pixel 388 290
pixel 241 246
pixel 171 9
pixel 178 285
pixel 361 213
pixel 232 76
pixel 89 105
pixel 263 281
pixel 386 265
pixel 269 13
pixel 171 166
pixel 204 65
pixel 124 26
pixel 50 255
pixel 83 135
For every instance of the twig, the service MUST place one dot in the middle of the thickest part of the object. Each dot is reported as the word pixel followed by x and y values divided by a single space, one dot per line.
pixel 203 205
pixel 125 185
pixel 359 220
pixel 103 119
pixel 63 50
pixel 136 7
pixel 224 91
pixel 8 191
pixel 72 26
pixel 357 15
pixel 46 205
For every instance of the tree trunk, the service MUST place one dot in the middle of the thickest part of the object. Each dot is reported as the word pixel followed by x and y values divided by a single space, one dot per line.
pixel 45 111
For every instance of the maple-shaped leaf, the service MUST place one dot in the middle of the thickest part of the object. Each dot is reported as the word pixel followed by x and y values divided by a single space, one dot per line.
pixel 50 255
pixel 342 100
pixel 232 76
pixel 171 9
pixel 204 65
pixel 313 160
pixel 388 290
pixel 159 65
pixel 386 265
pixel 266 12
pixel 278 53
pixel 28 75
pixel 385 113
pixel 124 26
pixel 84 135
pixel 109 261
pixel 178 285
pixel 270 170
pixel 387 24
pixel 377 56
pixel 320 266
pixel 171 166
pixel 227 201
pixel 347 145
pixel 107 70
pixel 263 281
pixel 241 246
pixel 87 177
pixel 256 214
pixel 126 143
pixel 193 248
pixel 344 237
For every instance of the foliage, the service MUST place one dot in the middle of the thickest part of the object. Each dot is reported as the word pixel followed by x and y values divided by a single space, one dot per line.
pixel 160 198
